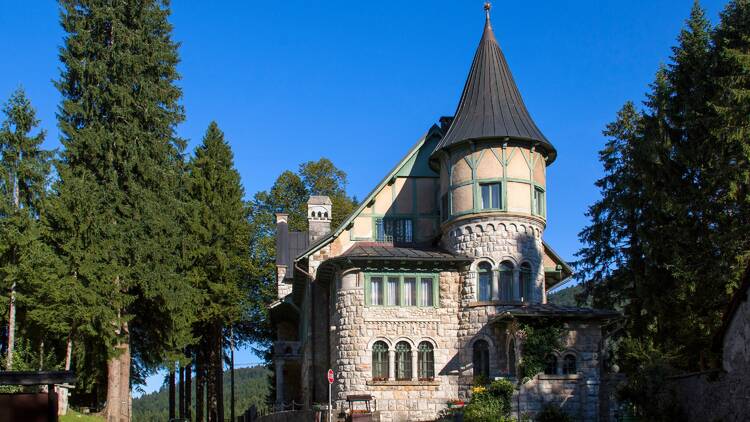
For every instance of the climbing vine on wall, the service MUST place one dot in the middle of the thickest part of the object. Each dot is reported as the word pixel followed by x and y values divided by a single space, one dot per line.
pixel 539 340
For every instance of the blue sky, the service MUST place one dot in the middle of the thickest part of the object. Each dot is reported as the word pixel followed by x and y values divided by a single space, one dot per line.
pixel 359 82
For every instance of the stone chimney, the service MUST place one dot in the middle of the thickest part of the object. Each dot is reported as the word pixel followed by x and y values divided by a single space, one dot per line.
pixel 283 260
pixel 318 217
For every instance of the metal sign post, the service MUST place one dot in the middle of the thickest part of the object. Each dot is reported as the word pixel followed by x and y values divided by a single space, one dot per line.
pixel 330 383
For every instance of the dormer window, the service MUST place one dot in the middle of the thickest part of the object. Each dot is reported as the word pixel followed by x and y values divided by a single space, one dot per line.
pixel 396 230
pixel 490 196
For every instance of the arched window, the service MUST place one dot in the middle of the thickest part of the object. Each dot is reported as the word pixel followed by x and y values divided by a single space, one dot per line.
pixel 485 282
pixel 506 281
pixel 527 286
pixel 426 361
pixel 380 361
pixel 403 361
pixel 481 358
pixel 550 367
pixel 569 365
pixel 512 357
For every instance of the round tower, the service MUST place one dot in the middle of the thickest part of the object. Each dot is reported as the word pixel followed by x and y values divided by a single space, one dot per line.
pixel 492 163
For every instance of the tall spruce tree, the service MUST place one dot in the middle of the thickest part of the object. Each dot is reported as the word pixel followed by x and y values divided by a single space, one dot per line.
pixel 24 170
pixel 676 186
pixel 118 116
pixel 219 237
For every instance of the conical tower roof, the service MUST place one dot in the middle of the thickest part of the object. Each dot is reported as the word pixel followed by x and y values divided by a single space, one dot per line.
pixel 491 108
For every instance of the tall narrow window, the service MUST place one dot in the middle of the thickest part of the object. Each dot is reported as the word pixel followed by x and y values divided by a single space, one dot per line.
pixel 550 367
pixel 527 285
pixel 445 210
pixel 425 294
pixel 481 358
pixel 377 291
pixel 569 365
pixel 396 230
pixel 403 361
pixel 506 281
pixel 426 361
pixel 538 201
pixel 485 282
pixel 379 361
pixel 392 292
pixel 490 195
pixel 410 291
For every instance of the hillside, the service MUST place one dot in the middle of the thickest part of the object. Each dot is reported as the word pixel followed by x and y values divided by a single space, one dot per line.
pixel 567 297
pixel 251 387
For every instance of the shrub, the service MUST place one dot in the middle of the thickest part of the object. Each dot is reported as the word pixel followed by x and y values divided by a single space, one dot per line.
pixel 553 413
pixel 490 404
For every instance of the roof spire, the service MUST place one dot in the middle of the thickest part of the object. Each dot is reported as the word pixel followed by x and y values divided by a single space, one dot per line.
pixel 491 108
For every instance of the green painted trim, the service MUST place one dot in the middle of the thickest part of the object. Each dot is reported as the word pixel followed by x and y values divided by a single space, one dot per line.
pixel 401 275
pixel 371 196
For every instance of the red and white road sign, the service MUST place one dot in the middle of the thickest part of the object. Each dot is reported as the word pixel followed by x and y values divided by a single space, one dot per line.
pixel 330 376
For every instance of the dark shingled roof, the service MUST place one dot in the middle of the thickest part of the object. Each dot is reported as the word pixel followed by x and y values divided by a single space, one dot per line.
pixel 384 252
pixel 491 107
pixel 539 310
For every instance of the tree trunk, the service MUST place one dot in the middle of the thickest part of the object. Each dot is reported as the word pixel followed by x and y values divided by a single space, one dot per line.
pixel 212 391
pixel 171 392
pixel 200 383
pixel 62 392
pixel 220 372
pixel 12 305
pixel 188 391
pixel 11 327
pixel 118 381
pixel 182 392
pixel 231 376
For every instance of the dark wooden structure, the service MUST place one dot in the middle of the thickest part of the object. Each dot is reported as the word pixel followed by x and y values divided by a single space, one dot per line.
pixel 360 408
pixel 32 407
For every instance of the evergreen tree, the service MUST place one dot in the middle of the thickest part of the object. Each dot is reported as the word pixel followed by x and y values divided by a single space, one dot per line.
pixel 219 235
pixel 24 172
pixel 118 115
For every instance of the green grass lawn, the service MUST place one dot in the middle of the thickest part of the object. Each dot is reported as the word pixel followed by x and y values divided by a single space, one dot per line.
pixel 74 416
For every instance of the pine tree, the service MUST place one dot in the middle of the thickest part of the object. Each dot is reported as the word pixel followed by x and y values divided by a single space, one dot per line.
pixel 24 172
pixel 219 236
pixel 118 116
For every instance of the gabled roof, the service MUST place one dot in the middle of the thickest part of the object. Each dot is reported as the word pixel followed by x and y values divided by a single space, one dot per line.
pixel 491 107
pixel 407 160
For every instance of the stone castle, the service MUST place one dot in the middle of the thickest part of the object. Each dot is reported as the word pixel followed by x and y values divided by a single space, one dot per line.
pixel 422 290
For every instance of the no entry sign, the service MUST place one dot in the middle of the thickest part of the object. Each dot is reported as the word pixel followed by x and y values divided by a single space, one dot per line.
pixel 330 376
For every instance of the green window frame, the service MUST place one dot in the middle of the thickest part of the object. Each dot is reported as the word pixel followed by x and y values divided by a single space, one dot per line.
pixel 424 291
pixel 491 196
pixel 539 201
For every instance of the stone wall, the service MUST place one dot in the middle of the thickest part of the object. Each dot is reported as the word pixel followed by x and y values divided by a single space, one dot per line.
pixel 722 395
pixel 495 239
pixel 358 327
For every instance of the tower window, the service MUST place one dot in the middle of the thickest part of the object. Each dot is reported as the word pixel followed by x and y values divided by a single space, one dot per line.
pixel 485 282
pixel 539 201
pixel 506 281
pixel 490 196
pixel 527 283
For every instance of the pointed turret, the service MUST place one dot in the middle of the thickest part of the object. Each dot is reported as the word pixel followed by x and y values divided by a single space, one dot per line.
pixel 491 107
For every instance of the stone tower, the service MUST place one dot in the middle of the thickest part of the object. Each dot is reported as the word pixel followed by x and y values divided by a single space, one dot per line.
pixel 492 163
